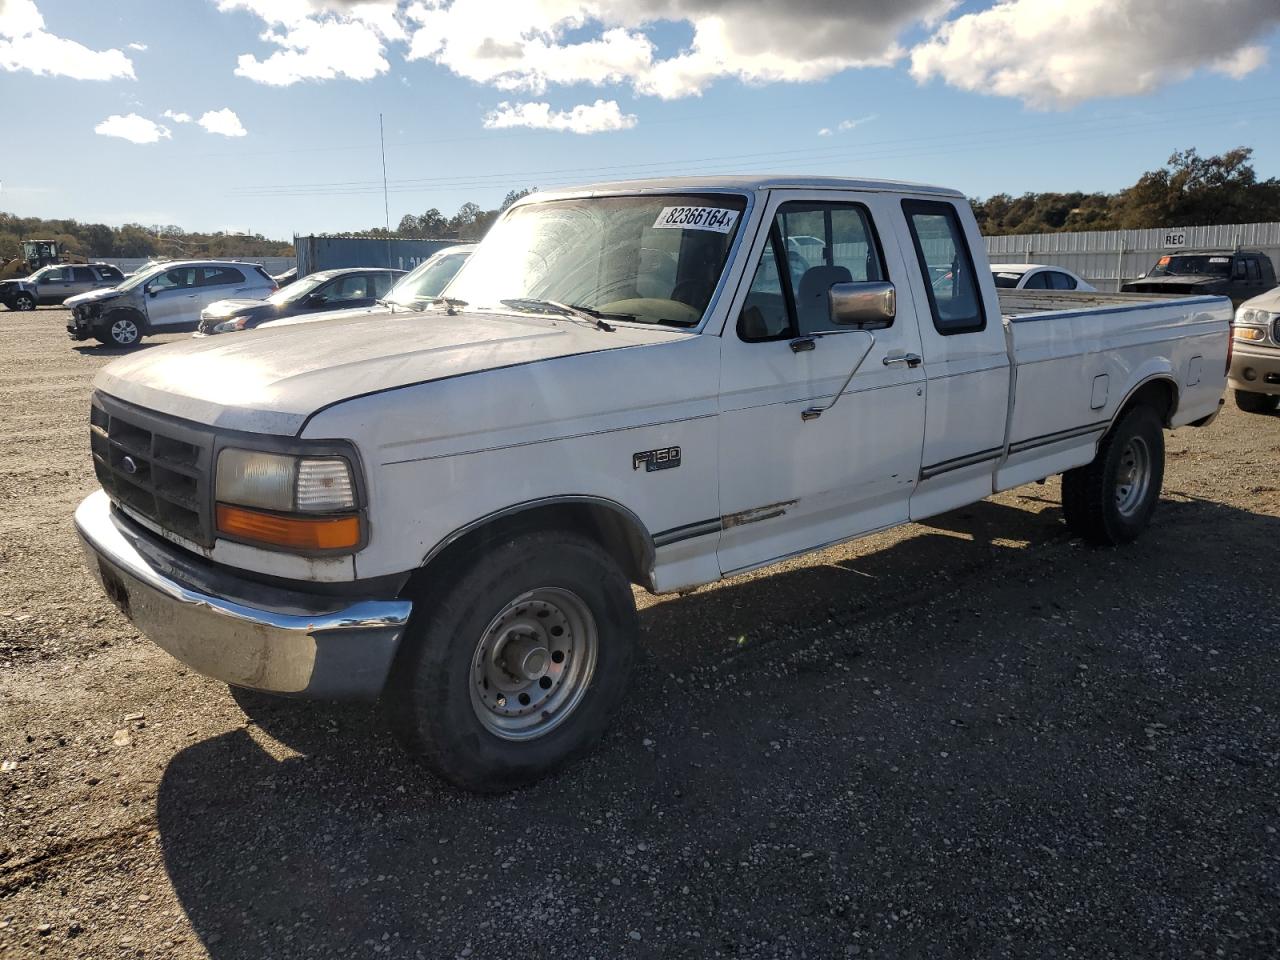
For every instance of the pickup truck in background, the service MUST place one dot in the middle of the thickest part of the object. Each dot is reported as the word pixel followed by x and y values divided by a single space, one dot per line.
pixel 642 383
pixel 1237 274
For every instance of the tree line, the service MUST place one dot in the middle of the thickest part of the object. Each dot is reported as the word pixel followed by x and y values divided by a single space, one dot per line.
pixel 1189 190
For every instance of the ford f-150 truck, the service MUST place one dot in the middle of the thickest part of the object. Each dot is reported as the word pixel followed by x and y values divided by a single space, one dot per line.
pixel 641 383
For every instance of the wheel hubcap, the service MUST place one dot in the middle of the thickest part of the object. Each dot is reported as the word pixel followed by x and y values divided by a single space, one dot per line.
pixel 1133 478
pixel 124 331
pixel 26 303
pixel 533 663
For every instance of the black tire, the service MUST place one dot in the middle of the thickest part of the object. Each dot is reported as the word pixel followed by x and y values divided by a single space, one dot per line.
pixel 1097 503
pixel 22 301
pixel 120 329
pixel 1256 402
pixel 429 697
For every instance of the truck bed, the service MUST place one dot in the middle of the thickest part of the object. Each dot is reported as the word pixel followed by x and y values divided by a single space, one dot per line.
pixel 1017 304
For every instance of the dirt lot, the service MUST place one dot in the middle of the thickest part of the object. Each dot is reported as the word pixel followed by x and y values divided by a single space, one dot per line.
pixel 974 738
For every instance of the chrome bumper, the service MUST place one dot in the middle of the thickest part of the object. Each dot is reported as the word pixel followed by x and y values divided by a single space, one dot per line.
pixel 235 630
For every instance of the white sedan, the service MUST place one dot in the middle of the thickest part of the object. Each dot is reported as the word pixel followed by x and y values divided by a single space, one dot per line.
pixel 1038 276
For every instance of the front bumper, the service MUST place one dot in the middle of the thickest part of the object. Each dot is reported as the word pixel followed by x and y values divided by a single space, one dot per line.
pixel 1254 369
pixel 236 630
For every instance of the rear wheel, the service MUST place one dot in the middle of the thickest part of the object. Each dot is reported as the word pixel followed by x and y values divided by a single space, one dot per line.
pixel 1256 402
pixel 1110 501
pixel 23 301
pixel 516 663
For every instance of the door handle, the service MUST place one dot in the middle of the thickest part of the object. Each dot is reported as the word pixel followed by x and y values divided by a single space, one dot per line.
pixel 803 344
pixel 910 359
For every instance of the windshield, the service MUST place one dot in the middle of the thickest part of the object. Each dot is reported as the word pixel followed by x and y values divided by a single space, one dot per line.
pixel 426 281
pixel 298 289
pixel 651 259
pixel 142 276
pixel 1203 263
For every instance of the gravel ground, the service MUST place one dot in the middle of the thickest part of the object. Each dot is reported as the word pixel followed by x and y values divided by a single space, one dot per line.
pixel 973 737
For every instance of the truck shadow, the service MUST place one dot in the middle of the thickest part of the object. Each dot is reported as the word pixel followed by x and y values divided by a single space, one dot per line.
pixel 869 712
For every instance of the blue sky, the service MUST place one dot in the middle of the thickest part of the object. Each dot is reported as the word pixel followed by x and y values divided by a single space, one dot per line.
pixel 480 97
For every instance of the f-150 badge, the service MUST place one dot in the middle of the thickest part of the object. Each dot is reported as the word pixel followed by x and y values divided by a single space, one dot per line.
pixel 668 458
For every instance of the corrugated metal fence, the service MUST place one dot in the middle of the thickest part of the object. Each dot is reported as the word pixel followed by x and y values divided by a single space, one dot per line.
pixel 327 253
pixel 1106 258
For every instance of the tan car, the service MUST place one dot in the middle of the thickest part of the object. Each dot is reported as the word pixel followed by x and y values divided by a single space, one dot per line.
pixel 1255 357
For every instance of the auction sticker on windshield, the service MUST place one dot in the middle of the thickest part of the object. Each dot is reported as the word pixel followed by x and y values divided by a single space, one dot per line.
pixel 717 219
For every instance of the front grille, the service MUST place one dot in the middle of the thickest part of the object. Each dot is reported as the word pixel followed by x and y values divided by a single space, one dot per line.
pixel 157 466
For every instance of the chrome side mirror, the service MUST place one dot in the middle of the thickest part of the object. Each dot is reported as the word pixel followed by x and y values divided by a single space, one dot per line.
pixel 869 305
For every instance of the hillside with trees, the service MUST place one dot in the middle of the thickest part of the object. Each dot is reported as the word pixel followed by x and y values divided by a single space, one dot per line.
pixel 1189 191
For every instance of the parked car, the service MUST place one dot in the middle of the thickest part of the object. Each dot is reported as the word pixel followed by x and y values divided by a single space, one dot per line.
pixel 1038 276
pixel 313 295
pixel 55 283
pixel 416 290
pixel 286 278
pixel 1255 358
pixel 1238 274
pixel 448 509
pixel 165 299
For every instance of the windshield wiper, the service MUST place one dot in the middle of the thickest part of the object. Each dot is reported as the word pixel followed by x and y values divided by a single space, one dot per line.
pixel 591 315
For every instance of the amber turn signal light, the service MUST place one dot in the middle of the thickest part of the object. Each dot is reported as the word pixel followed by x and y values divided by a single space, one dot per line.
pixel 294 533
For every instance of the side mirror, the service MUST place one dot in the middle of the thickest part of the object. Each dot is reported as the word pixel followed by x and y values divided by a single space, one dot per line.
pixel 869 305
pixel 315 300
pixel 151 292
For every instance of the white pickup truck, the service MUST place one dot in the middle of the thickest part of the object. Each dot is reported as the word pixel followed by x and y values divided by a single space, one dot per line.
pixel 659 383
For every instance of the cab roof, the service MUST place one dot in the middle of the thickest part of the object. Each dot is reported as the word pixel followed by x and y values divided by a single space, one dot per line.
pixel 749 184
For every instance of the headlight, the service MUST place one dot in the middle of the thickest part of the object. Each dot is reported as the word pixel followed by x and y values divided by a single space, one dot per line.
pixel 234 325
pixel 309 501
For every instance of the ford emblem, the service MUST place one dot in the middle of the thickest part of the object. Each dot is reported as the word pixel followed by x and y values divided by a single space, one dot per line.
pixel 129 465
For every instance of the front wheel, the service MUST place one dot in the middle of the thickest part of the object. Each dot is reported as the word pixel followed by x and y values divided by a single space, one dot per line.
pixel 1110 501
pixel 1251 402
pixel 120 330
pixel 516 663
pixel 23 301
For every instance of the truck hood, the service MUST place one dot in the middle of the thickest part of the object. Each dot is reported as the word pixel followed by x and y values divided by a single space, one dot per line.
pixel 1265 301
pixel 93 296
pixel 272 379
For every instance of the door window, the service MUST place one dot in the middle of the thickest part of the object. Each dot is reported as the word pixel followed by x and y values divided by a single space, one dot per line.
pixel 382 284
pixel 177 279
pixel 1037 281
pixel 944 254
pixel 221 276
pixel 82 275
pixel 812 246
pixel 354 287
pixel 1061 281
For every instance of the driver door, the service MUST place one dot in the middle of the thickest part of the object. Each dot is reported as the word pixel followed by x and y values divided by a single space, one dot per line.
pixel 792 479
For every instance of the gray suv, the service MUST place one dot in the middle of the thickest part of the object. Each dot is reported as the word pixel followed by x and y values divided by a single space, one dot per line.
pixel 55 283
pixel 166 298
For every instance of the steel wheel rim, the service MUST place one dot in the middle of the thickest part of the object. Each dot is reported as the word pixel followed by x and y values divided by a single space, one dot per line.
pixel 124 331
pixel 1133 478
pixel 533 663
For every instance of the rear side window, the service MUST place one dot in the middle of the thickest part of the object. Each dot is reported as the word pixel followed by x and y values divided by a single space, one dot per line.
pixel 1255 272
pixel 221 276
pixel 1060 281
pixel 1037 281
pixel 264 275
pixel 945 260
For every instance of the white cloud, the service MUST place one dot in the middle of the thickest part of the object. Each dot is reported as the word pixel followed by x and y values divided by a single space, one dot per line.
pixel 177 117
pixel 224 122
pixel 133 128
pixel 25 44
pixel 319 43
pixel 825 132
pixel 140 47
pixel 521 44
pixel 845 125
pixel 584 118
pixel 1059 54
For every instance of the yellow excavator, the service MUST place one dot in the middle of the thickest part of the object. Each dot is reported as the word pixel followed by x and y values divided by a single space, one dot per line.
pixel 36 254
